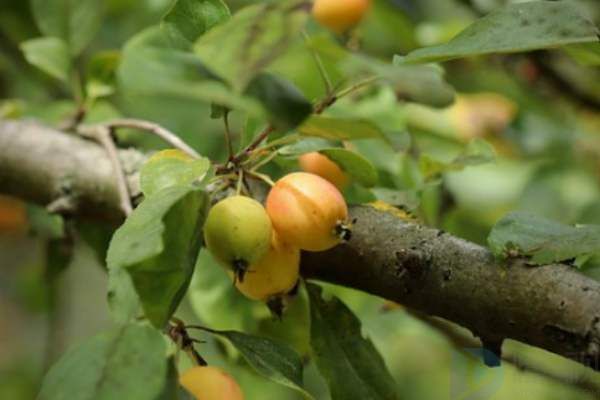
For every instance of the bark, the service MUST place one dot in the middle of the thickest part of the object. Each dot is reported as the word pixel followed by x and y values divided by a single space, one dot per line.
pixel 552 307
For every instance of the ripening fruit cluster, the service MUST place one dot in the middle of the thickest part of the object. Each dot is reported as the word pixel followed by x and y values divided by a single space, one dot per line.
pixel 260 245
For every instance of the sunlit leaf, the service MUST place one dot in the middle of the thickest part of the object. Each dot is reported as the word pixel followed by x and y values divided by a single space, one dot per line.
pixel 514 28
pixel 349 362
pixel 187 20
pixel 127 362
pixel 543 240
pixel 157 246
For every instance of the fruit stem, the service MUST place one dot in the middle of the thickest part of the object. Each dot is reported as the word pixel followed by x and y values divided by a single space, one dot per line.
pixel 178 334
pixel 228 135
pixel 262 177
pixel 240 182
pixel 358 85
pixel 264 161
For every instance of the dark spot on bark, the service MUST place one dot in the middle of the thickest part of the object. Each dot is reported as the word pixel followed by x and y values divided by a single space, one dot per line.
pixel 447 274
pixel 563 336
pixel 525 22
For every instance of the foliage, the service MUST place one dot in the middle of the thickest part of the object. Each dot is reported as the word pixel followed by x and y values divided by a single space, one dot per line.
pixel 508 122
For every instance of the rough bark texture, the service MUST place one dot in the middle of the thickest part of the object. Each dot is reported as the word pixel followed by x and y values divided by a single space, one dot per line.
pixel 552 307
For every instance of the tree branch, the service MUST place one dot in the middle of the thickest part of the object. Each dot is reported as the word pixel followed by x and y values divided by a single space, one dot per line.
pixel 552 307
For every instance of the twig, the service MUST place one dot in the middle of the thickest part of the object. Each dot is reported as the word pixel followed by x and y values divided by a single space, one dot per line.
pixel 103 135
pixel 178 334
pixel 155 129
pixel 228 135
pixel 358 85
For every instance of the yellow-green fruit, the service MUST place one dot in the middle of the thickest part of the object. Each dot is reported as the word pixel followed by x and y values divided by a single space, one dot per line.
pixel 210 383
pixel 238 232
pixel 275 274
pixel 340 15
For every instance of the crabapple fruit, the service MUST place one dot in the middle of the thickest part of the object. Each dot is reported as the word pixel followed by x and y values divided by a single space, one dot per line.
pixel 307 211
pixel 339 15
pixel 238 233
pixel 210 383
pixel 319 164
pixel 274 274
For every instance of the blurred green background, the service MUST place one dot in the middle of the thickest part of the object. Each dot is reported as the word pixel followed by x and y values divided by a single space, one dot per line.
pixel 546 137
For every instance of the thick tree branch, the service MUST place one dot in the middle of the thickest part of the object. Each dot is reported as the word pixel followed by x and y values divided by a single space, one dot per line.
pixel 552 307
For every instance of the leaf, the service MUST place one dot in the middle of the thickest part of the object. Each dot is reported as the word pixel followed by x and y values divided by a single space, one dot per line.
pixel 215 300
pixel 49 54
pixel 157 246
pixel 477 152
pixel 161 172
pixel 151 67
pixel 543 240
pixel 172 390
pixel 305 145
pixel 44 224
pixel 340 128
pixel 514 28
pixel 349 362
pixel 275 361
pixel 187 20
pixel 101 74
pixel 355 165
pixel 423 83
pixel 587 54
pixel 286 105
pixel 75 22
pixel 127 362
pixel 251 40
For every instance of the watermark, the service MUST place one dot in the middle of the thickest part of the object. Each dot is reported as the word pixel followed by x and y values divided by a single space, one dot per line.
pixel 470 379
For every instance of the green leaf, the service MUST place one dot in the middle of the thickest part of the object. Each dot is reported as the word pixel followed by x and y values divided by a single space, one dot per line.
pixel 172 389
pixel 97 236
pixel 545 241
pixel 273 360
pixel 157 246
pixel 49 54
pixel 305 145
pixel 340 128
pixel 423 83
pixel 161 172
pixel 349 362
pixel 75 22
pixel 127 362
pixel 215 299
pixel 514 28
pixel 286 105
pixel 477 152
pixel 150 67
pixel 101 74
pixel 44 224
pixel 585 54
pixel 187 20
pixel 251 40
pixel 355 165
